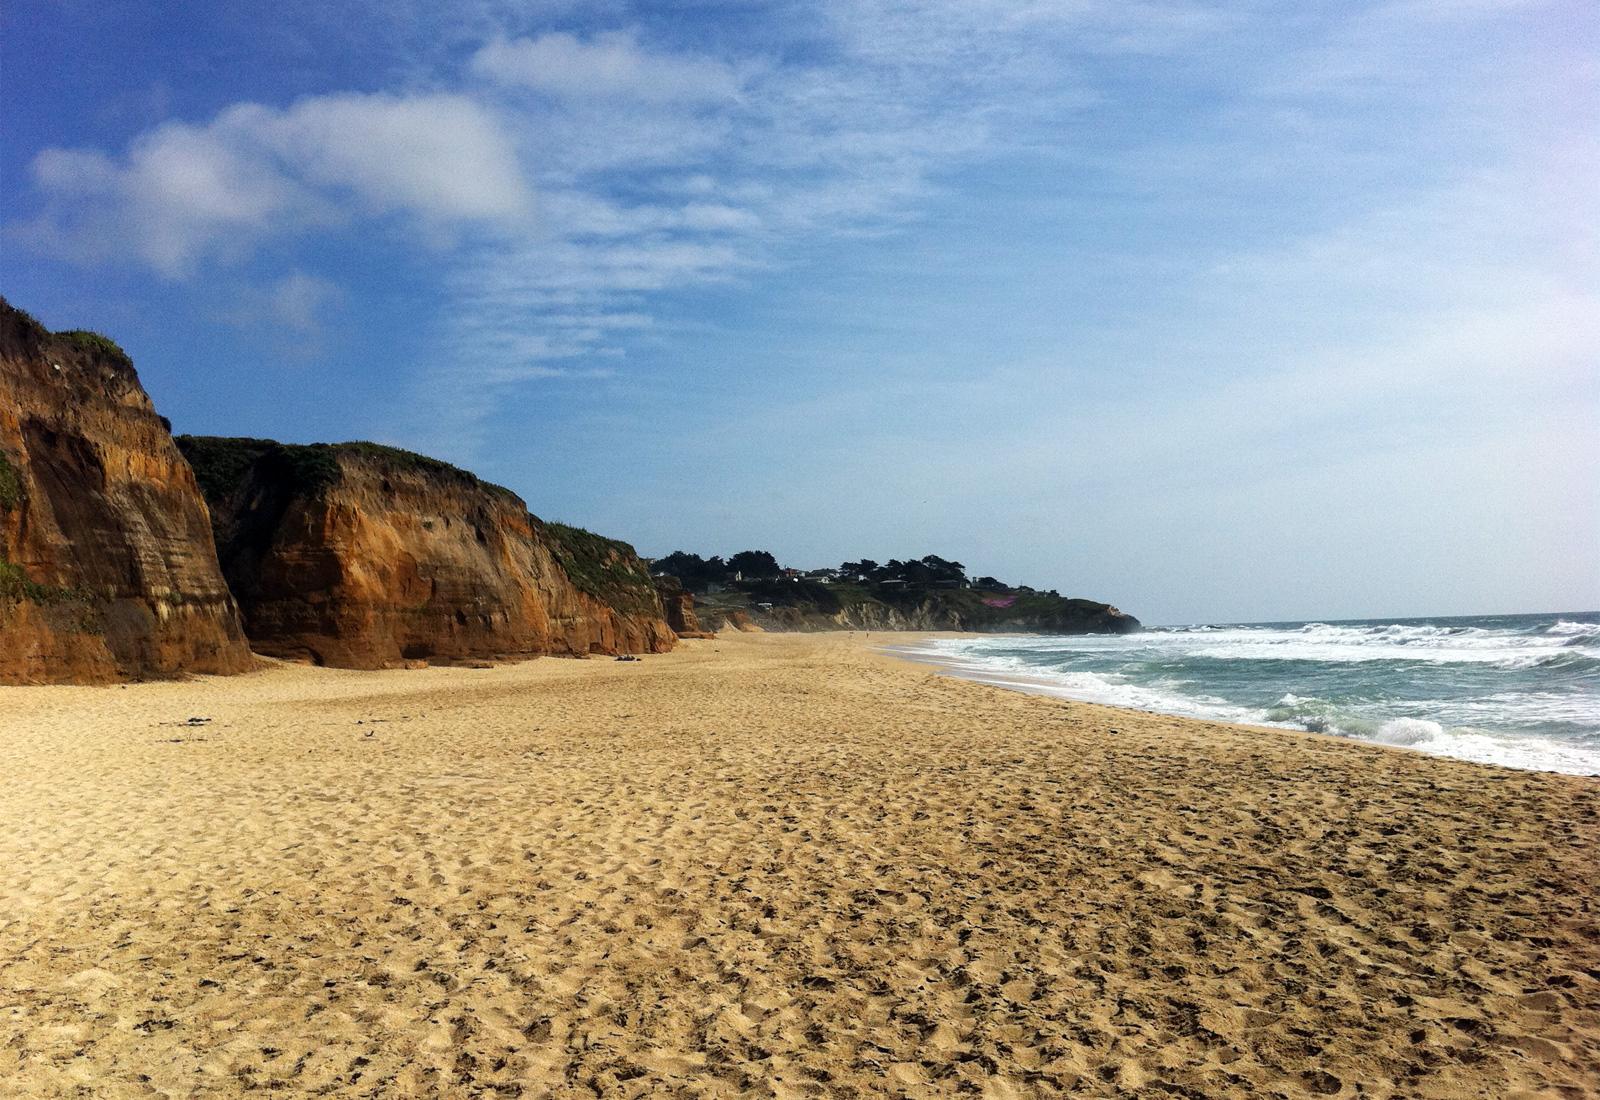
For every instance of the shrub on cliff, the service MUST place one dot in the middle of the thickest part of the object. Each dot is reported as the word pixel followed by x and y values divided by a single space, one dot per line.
pixel 399 459
pixel 35 336
pixel 607 569
pixel 15 587
pixel 794 593
pixel 25 324
pixel 96 344
pixel 221 463
pixel 10 485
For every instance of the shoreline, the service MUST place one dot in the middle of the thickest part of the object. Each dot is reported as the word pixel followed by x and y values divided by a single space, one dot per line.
pixel 1043 685
pixel 771 864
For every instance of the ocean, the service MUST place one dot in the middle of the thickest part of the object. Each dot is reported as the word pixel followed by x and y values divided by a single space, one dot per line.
pixel 1517 690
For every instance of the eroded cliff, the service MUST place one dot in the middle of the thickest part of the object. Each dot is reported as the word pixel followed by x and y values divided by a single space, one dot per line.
pixel 107 566
pixel 678 607
pixel 360 556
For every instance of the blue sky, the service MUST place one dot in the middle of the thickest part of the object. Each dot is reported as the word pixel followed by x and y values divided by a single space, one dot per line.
pixel 1216 311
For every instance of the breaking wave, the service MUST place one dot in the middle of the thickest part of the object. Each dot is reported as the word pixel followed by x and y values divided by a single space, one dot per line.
pixel 1518 691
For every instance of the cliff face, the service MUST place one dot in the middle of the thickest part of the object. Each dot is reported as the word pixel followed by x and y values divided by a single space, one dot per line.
pixel 107 566
pixel 718 619
pixel 678 607
pixel 359 556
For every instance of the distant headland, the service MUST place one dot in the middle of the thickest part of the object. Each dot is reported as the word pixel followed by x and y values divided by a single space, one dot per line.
pixel 927 593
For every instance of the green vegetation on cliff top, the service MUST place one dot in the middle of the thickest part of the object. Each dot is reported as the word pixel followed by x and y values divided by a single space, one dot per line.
pixel 221 463
pixel 607 569
pixel 96 344
pixel 27 322
pixel 79 339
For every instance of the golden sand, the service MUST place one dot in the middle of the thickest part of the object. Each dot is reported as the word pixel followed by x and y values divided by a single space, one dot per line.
pixel 768 865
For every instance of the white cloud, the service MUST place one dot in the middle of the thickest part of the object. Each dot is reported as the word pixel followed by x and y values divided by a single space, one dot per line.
pixel 183 193
pixel 180 192
pixel 608 66
pixel 576 214
pixel 442 157
pixel 661 171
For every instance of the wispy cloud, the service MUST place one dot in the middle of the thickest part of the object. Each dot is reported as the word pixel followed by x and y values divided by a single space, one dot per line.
pixel 293 310
pixel 611 65
pixel 664 170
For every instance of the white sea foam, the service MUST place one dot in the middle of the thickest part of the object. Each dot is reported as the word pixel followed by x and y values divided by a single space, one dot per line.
pixel 1524 696
pixel 1532 753
pixel 1516 709
pixel 1329 643
pixel 1333 643
pixel 1408 731
pixel 1093 687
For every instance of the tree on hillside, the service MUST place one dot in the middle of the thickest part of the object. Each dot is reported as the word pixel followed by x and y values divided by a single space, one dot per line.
pixel 941 570
pixel 678 564
pixel 696 573
pixel 866 567
pixel 754 564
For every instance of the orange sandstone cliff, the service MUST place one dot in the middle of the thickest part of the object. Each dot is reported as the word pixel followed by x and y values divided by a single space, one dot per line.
pixel 360 556
pixel 107 566
pixel 678 607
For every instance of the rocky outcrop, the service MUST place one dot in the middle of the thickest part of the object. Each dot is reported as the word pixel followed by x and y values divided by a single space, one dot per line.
pixel 678 607
pixel 107 566
pixel 719 619
pixel 360 556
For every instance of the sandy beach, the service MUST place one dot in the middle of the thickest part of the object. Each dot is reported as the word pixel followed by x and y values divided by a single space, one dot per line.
pixel 768 865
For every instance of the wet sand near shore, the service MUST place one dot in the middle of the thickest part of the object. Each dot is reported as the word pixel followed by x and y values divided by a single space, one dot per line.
pixel 768 865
